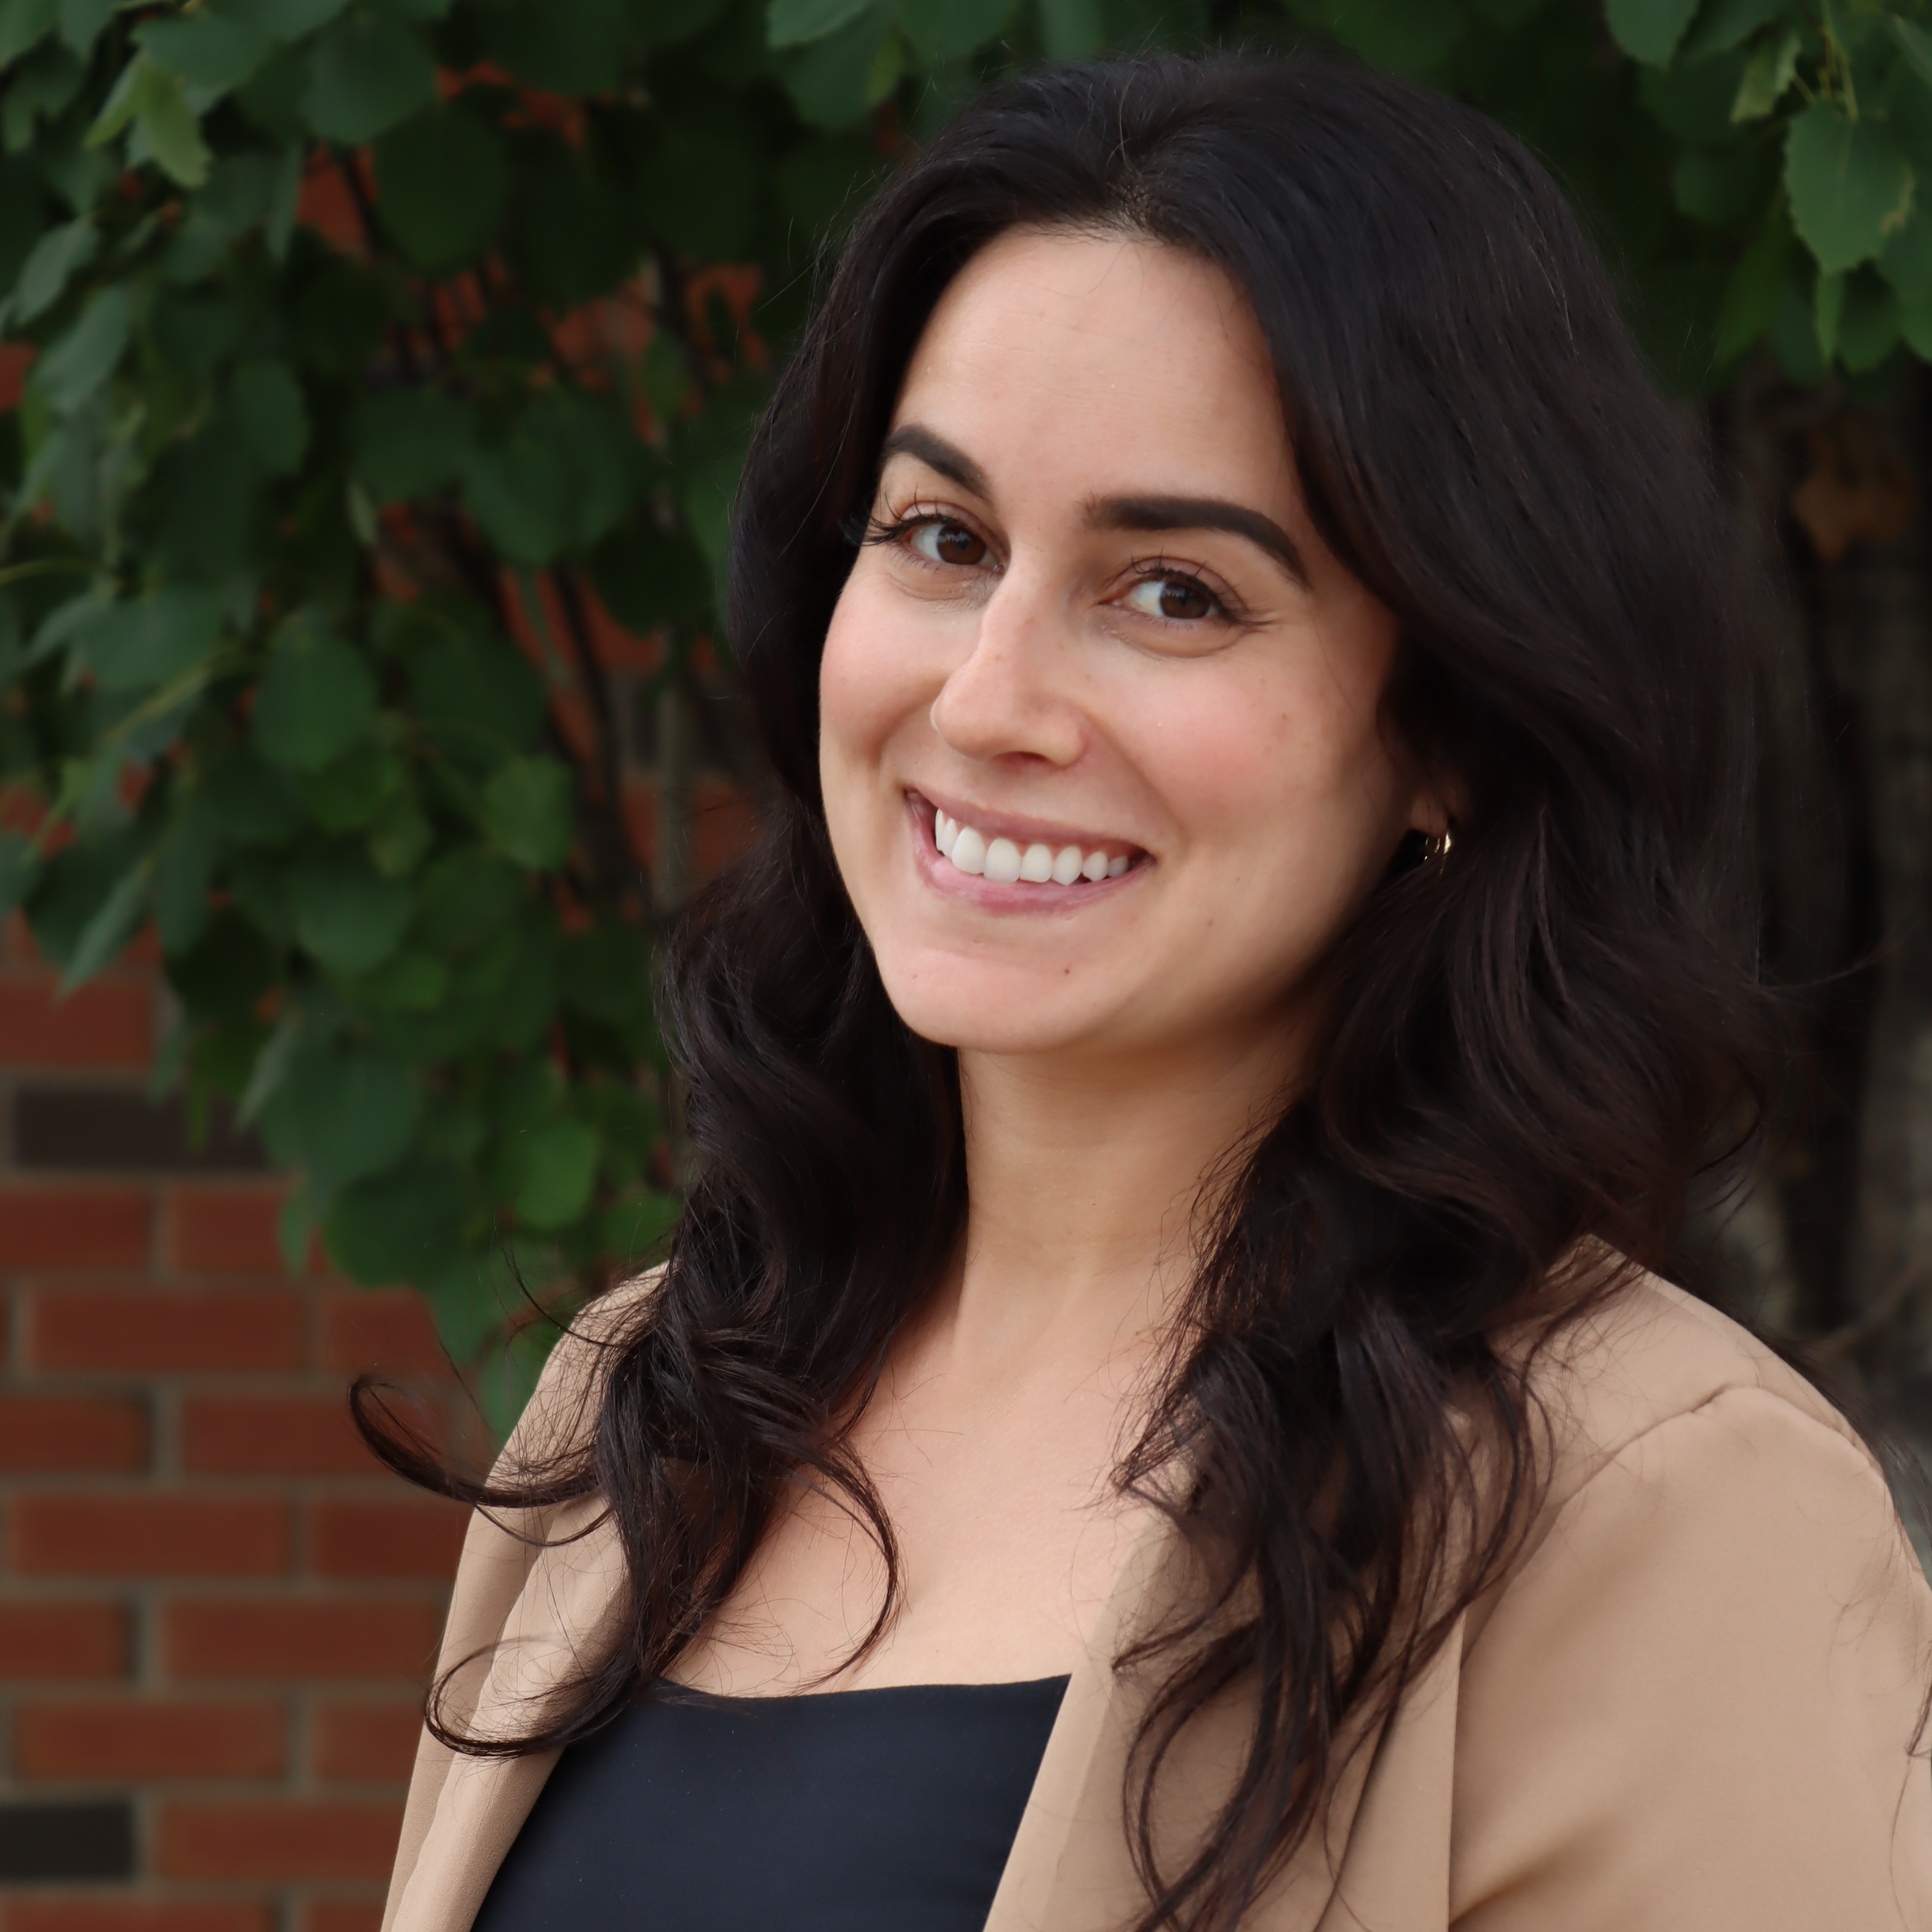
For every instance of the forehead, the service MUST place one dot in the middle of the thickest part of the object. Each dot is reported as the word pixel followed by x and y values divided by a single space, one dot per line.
pixel 1053 352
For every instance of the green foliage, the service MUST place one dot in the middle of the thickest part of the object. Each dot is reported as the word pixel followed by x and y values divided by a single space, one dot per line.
pixel 364 328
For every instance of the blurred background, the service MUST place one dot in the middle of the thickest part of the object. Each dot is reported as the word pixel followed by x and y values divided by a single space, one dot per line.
pixel 374 375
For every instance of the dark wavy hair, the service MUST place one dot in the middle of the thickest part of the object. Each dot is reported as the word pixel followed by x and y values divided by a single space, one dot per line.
pixel 1531 1041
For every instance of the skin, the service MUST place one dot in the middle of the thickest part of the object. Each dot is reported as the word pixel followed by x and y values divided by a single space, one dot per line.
pixel 1045 639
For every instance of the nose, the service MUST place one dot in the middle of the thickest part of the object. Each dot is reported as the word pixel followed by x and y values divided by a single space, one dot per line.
pixel 1009 699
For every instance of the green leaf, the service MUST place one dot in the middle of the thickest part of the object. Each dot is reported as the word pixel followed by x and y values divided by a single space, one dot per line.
pixel 410 443
pixel 647 577
pixel 346 913
pixel 81 22
pixel 1768 75
pixel 700 189
pixel 1906 262
pixel 606 974
pixel 1916 44
pixel 1755 290
pixel 183 872
pixel 108 931
pixel 942 30
pixel 574 237
pixel 348 1113
pixel 167 128
pixel 556 1168
pixel 272 414
pixel 791 23
pixel 317 697
pixel 40 90
pixel 349 793
pixel 83 358
pixel 1828 303
pixel 561 478
pixel 287 19
pixel 1850 188
pixel 367 74
pixel 527 811
pixel 1723 25
pixel 153 639
pixel 479 697
pixel 439 180
pixel 55 257
pixel 836 80
pixel 577 50
pixel 1649 30
pixel 465 896
pixel 254 803
pixel 1868 322
pixel 20 869
pixel 637 1227
pixel 398 1226
pixel 212 51
pixel 1073 28
pixel 22 24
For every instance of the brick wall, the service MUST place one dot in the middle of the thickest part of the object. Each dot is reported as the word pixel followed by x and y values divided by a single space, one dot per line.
pixel 215 1610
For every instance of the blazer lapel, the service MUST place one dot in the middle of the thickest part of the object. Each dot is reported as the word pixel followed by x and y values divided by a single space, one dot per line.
pixel 562 1612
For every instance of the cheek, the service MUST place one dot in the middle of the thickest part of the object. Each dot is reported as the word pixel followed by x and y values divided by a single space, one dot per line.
pixel 869 683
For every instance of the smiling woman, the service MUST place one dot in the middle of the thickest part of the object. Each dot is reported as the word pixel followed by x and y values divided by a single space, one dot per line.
pixel 1187 1093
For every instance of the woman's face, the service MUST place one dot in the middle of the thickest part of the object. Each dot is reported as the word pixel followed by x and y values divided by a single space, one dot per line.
pixel 1099 738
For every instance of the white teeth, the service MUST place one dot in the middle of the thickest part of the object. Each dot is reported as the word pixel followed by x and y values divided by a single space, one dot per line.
pixel 969 850
pixel 1003 862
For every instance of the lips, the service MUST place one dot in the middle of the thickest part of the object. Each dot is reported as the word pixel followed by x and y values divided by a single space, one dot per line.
pixel 1002 862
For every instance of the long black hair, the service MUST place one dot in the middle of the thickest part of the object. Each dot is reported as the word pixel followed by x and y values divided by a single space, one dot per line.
pixel 1531 1039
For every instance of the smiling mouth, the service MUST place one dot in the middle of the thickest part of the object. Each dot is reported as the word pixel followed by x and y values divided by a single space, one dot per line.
pixel 1003 861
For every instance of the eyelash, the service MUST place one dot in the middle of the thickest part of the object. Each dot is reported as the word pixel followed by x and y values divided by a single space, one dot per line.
pixel 894 528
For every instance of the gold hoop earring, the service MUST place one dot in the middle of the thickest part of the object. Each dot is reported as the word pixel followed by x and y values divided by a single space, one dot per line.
pixel 1438 847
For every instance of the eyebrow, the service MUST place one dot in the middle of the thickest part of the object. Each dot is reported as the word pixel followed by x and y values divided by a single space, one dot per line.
pixel 1151 514
pixel 1155 514
pixel 936 453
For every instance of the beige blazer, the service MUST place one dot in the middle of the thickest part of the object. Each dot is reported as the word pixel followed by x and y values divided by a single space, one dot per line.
pixel 1689 1706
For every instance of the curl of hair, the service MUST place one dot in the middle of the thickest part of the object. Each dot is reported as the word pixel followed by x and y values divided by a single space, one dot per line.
pixel 1531 1039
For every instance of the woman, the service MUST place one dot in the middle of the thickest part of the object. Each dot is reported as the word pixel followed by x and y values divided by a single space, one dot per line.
pixel 1217 1024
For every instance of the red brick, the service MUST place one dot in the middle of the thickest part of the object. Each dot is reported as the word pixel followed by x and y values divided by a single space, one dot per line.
pixel 140 1533
pixel 71 1433
pixel 270 1839
pixel 128 1739
pixel 109 1023
pixel 138 1915
pixel 75 1227
pixel 387 1328
pixel 400 1537
pixel 272 1435
pixel 344 1914
pixel 155 1330
pixel 366 1740
pixel 40 1640
pixel 226 1230
pixel 388 1636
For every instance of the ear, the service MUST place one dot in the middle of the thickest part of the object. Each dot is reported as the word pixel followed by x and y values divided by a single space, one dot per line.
pixel 1438 805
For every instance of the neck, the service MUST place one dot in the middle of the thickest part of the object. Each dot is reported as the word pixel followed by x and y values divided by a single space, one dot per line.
pixel 1085 1184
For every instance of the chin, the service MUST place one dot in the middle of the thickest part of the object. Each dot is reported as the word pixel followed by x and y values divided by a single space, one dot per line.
pixel 983 1007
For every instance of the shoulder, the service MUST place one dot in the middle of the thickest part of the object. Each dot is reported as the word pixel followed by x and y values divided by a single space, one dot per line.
pixel 1649 1355
pixel 562 1408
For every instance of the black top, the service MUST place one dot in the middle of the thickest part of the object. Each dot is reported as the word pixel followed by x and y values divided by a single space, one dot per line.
pixel 884 1810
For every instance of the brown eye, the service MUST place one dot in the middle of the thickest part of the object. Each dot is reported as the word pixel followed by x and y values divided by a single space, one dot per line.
pixel 948 543
pixel 1179 599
